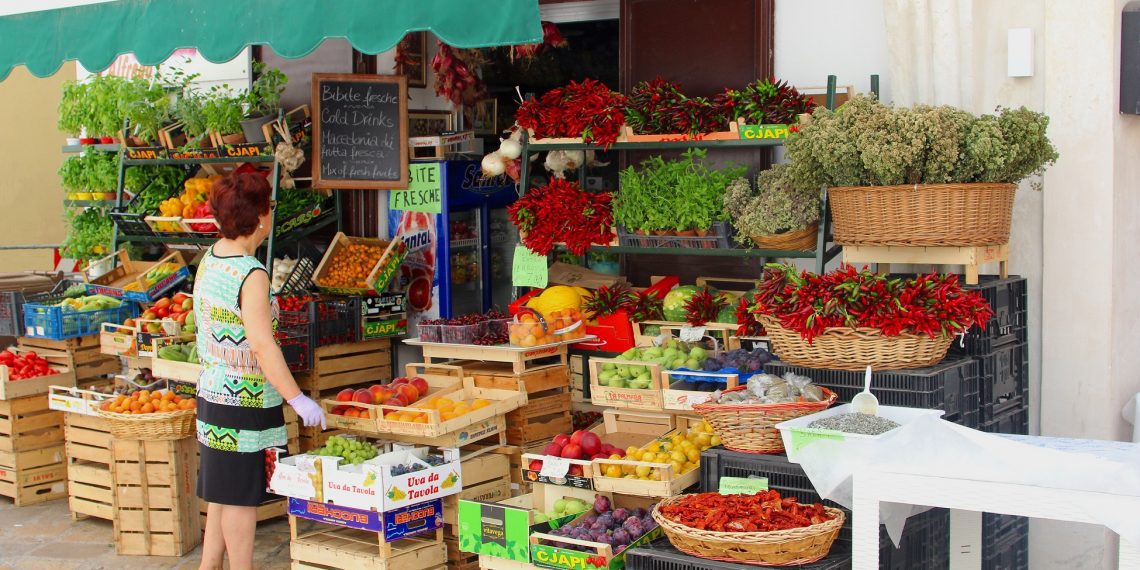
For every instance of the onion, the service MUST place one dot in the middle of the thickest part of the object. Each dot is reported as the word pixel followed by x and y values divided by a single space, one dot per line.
pixel 493 164
pixel 510 149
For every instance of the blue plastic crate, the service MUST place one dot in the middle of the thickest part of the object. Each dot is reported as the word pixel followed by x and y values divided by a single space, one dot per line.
pixel 52 322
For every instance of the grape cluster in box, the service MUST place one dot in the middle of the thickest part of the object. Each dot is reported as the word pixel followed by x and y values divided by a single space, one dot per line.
pixel 404 476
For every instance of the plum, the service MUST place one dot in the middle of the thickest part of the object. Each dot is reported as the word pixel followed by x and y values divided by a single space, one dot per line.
pixel 601 504
pixel 620 514
pixel 598 526
pixel 633 526
pixel 590 519
pixel 638 513
pixel 620 547
pixel 606 520
pixel 621 536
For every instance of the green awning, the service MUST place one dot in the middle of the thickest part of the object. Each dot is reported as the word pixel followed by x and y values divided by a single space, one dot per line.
pixel 95 34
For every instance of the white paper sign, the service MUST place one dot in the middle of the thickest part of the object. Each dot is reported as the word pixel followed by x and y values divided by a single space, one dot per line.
pixel 692 334
pixel 554 466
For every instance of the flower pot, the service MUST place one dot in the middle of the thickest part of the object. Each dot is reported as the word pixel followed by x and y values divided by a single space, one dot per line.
pixel 72 141
pixel 251 127
pixel 930 215
pixel 686 233
pixel 802 239
pixel 235 138
pixel 88 140
pixel 84 196
pixel 107 140
pixel 702 233
pixel 107 196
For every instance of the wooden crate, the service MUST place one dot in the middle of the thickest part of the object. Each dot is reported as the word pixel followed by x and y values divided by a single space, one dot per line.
pixel 650 398
pixel 156 504
pixel 345 365
pixel 326 547
pixel 485 478
pixel 457 559
pixel 28 423
pixel 266 511
pixel 84 355
pixel 89 487
pixel 521 359
pixel 33 476
pixel 503 376
pixel 970 257
pixel 545 415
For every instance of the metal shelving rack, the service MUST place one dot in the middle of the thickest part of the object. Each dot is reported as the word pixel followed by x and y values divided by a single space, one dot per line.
pixel 822 253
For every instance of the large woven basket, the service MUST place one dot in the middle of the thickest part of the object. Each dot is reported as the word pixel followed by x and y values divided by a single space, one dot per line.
pixel 751 428
pixel 159 426
pixel 842 348
pixel 922 214
pixel 791 547
pixel 802 239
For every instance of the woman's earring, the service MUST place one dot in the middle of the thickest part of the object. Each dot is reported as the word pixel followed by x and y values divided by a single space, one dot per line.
pixel 261 226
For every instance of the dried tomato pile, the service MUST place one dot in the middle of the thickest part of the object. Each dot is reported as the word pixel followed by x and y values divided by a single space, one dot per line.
pixel 560 211
pixel 928 304
pixel 762 512
pixel 587 109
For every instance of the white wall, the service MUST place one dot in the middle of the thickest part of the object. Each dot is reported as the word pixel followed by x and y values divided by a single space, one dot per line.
pixel 845 38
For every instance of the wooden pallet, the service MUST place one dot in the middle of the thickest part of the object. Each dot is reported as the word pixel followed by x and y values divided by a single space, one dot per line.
pixel 33 476
pixel 485 478
pixel 28 423
pixel 156 505
pixel 326 547
pixel 343 365
pixel 457 559
pixel 89 487
pixel 970 257
pixel 83 353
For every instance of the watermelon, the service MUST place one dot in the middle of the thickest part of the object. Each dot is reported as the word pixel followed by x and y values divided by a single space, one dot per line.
pixel 674 302
pixel 727 315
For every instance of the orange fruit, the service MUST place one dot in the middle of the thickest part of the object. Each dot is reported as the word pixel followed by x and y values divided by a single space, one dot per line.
pixel 168 395
pixel 147 408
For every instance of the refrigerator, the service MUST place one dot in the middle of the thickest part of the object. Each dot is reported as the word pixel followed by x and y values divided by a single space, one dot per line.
pixel 467 266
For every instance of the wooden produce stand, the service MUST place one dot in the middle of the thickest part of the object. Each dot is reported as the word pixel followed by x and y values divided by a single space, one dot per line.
pixel 970 257
pixel 521 359
pixel 547 411
pixel 340 366
pixel 323 546
pixel 32 461
pixel 90 490
pixel 155 497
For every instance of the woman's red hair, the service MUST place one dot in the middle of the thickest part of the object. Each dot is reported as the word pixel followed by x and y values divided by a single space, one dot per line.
pixel 238 200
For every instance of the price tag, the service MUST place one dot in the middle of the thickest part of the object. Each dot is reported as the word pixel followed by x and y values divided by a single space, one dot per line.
pixel 692 334
pixel 554 466
pixel 529 268
pixel 742 485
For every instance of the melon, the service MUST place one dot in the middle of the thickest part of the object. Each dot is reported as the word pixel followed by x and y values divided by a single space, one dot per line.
pixel 674 302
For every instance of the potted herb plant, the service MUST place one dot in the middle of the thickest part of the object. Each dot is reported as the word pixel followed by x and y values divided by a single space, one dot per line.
pixel 918 176
pixel 221 115
pixel 190 109
pixel 106 117
pixel 146 105
pixel 263 101
pixel 74 110
pixel 777 215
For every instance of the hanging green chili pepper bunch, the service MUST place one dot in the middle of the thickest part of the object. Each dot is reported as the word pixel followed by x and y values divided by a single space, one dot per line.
pixel 927 304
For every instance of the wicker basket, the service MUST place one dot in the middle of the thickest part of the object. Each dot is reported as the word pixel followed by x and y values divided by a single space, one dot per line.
pixel 802 239
pixel 922 214
pixel 159 426
pixel 751 428
pixel 842 348
pixel 791 547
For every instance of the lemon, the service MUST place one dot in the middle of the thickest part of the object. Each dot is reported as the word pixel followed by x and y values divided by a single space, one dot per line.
pixel 613 471
pixel 643 471
pixel 678 467
pixel 631 450
pixel 714 441
pixel 678 456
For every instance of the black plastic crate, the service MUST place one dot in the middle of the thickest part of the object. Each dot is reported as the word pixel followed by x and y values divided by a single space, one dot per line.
pixel 300 279
pixel 1009 300
pixel 336 320
pixel 1004 379
pixel 926 537
pixel 1012 553
pixel 1015 421
pixel 661 555
pixel 11 313
pixel 951 386
pixel 297 347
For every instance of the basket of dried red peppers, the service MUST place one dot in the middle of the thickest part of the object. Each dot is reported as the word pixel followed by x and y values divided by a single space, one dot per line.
pixel 763 529
pixel 848 319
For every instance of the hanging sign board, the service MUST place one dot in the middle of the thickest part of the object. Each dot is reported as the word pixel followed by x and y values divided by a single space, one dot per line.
pixel 360 131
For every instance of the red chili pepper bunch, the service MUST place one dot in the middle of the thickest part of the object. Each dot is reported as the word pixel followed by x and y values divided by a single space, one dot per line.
pixel 809 304
pixel 658 107
pixel 587 109
pixel 455 76
pixel 703 307
pixel 762 512
pixel 562 212
pixel 24 366
pixel 647 306
pixel 763 102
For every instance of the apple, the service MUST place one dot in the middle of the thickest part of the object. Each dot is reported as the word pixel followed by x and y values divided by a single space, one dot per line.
pixel 576 470
pixel 148 315
pixel 345 395
pixel 608 449
pixel 377 390
pixel 576 437
pixel 572 451
pixel 421 385
pixel 408 393
pixel 400 380
pixel 363 396
pixel 536 465
pixel 553 449
pixel 599 456
pixel 591 443
pixel 561 439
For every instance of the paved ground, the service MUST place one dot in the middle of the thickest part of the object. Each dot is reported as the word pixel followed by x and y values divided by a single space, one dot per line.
pixel 43 537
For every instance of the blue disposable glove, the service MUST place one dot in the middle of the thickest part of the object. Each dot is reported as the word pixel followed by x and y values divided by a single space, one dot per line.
pixel 309 411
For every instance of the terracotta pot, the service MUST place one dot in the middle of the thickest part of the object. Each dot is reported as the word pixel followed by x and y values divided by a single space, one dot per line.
pixel 688 233
pixel 136 141
pixel 236 138
pixel 702 233
pixel 660 232
pixel 641 232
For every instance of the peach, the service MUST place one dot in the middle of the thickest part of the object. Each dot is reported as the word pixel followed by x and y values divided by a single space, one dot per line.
pixel 408 392
pixel 362 396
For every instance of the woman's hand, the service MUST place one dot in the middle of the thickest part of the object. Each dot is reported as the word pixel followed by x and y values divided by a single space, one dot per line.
pixel 309 411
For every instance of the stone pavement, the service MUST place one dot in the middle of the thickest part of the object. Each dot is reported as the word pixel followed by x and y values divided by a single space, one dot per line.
pixel 43 537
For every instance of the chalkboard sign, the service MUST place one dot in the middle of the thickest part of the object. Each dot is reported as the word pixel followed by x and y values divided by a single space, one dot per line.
pixel 360 131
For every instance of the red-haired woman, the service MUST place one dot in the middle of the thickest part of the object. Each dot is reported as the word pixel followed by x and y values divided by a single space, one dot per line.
pixel 244 377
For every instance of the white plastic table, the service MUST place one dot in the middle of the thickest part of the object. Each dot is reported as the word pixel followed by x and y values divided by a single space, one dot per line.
pixel 969 498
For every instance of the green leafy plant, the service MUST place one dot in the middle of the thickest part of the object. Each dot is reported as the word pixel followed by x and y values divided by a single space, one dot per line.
pixel 104 93
pixel 775 207
pixel 151 185
pixel 89 234
pixel 190 108
pixel 678 195
pixel 867 143
pixel 264 96
pixel 101 171
pixel 71 174
pixel 222 110
pixel 74 108
pixel 147 105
